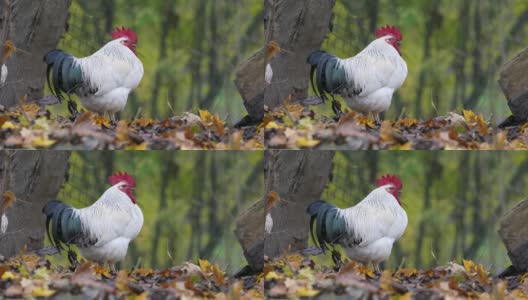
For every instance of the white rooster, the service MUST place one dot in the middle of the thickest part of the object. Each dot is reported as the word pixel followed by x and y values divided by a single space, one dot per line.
pixel 366 231
pixel 103 230
pixel 366 81
pixel 103 80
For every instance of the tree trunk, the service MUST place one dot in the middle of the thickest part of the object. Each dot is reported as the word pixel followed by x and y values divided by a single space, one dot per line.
pixel 299 27
pixel 35 28
pixel 35 177
pixel 299 178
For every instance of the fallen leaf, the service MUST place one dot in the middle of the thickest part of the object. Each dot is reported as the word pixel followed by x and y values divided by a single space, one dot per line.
pixel 42 292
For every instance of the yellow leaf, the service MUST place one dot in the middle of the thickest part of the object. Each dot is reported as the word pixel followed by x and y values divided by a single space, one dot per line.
pixel 102 122
pixel 7 275
pixel 364 270
pixel 306 142
pixel 468 264
pixel 9 125
pixel 365 121
pixel 9 198
pixel 273 275
pixel 143 146
pixel 270 125
pixel 469 115
pixel 104 272
pixel 210 120
pixel 142 296
pixel 42 142
pixel 204 265
pixel 307 292
pixel 42 292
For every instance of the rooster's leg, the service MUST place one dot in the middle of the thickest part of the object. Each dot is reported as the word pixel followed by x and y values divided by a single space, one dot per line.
pixel 72 108
pixel 336 257
pixel 377 118
pixel 112 267
pixel 377 268
pixel 112 117
pixel 336 107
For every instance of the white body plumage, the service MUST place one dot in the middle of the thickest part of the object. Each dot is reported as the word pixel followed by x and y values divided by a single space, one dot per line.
pixel 377 221
pixel 113 220
pixel 377 71
pixel 113 72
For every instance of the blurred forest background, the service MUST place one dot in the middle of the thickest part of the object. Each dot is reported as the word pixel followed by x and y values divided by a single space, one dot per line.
pixel 453 49
pixel 189 49
pixel 454 200
pixel 189 200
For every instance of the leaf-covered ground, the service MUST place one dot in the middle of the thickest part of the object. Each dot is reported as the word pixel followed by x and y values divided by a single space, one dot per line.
pixel 294 126
pixel 31 126
pixel 295 276
pixel 32 276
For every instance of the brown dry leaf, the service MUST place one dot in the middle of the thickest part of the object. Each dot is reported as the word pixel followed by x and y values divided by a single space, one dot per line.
pixel 218 275
pixel 9 199
pixel 386 281
pixel 295 261
pixel 143 122
pixel 273 199
pixel 273 49
pixel 30 261
pixel 386 132
pixel 212 120
pixel 143 272
pixel 9 49
pixel 122 131
pixel 294 110
pixel 122 281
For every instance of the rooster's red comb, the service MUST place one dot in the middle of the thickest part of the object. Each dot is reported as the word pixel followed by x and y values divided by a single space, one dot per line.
pixel 120 177
pixel 390 179
pixel 389 30
pixel 125 32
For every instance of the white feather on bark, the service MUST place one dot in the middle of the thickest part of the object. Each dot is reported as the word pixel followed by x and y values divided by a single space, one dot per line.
pixel 268 224
pixel 268 75
pixel 3 224
pixel 3 75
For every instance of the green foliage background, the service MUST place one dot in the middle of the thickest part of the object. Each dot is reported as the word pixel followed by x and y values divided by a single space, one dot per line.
pixel 204 192
pixel 189 50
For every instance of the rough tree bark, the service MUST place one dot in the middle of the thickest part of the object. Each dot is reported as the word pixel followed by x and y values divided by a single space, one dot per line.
pixel 514 233
pixel 514 83
pixel 35 177
pixel 299 178
pixel 299 27
pixel 34 27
